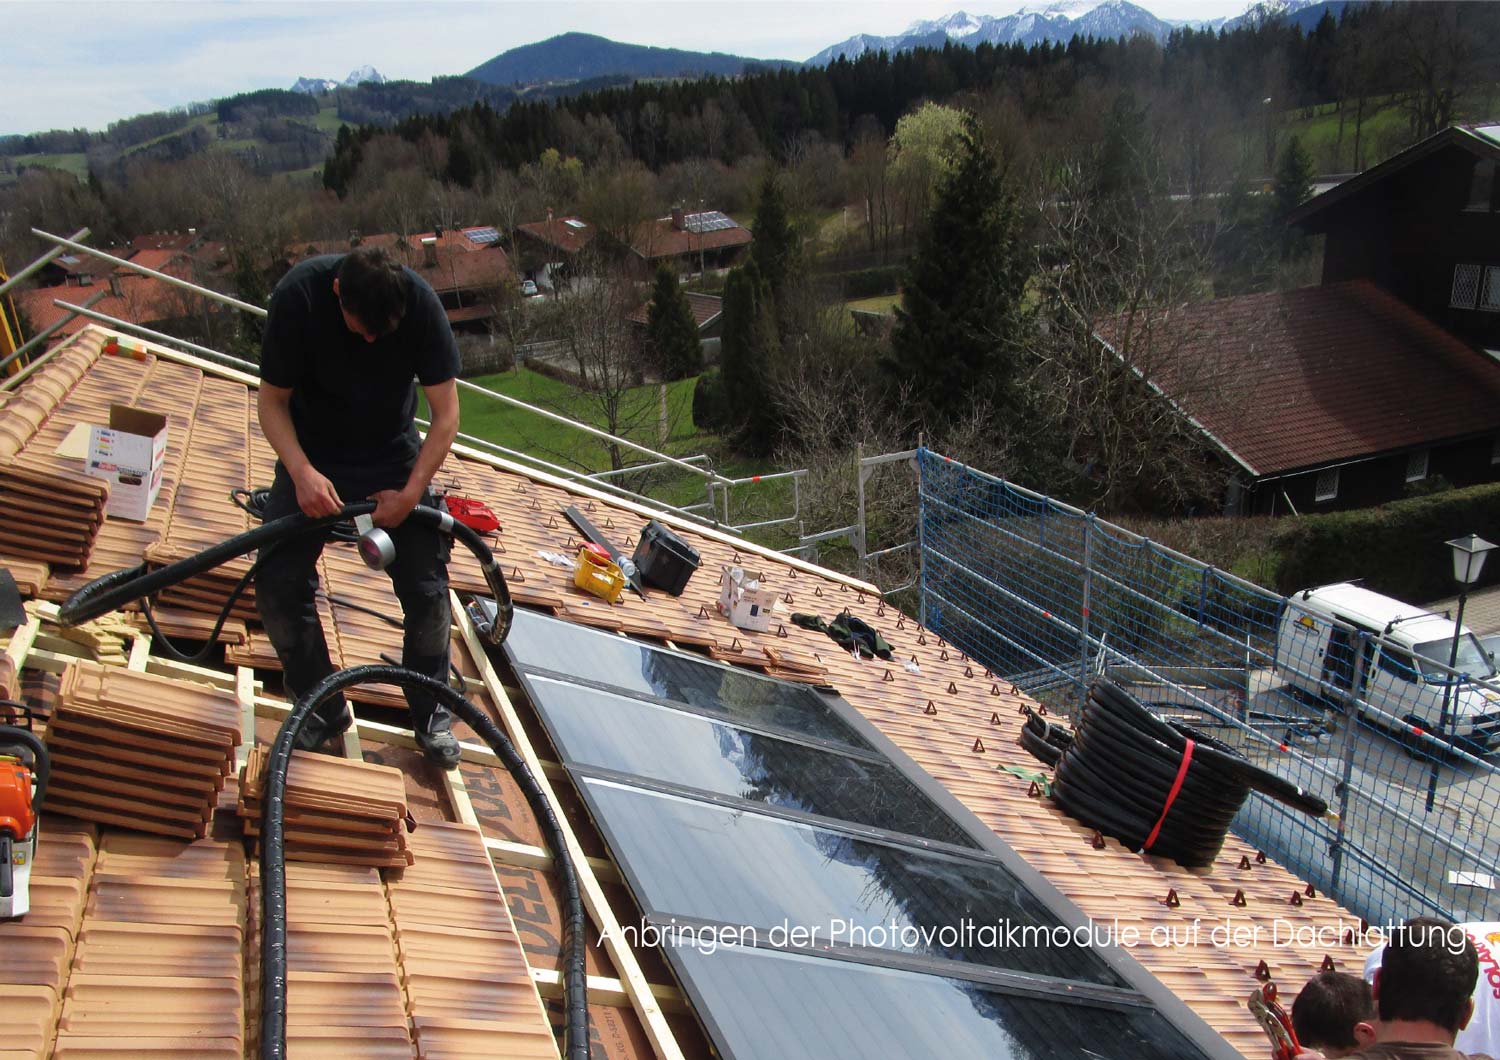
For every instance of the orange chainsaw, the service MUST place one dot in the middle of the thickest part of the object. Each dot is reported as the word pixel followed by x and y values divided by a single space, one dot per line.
pixel 24 768
pixel 1275 1021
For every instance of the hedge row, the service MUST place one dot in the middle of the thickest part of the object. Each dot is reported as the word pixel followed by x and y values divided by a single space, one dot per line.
pixel 866 283
pixel 1397 549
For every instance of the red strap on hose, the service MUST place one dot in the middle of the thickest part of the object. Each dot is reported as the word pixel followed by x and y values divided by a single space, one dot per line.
pixel 1182 769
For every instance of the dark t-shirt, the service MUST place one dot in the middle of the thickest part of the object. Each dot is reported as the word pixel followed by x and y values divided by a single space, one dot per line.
pixel 354 402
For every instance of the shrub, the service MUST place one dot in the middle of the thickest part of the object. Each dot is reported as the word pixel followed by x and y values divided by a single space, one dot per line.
pixel 710 403
pixel 1396 549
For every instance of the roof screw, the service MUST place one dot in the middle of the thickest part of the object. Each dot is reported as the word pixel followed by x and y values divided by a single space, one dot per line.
pixel 880 610
pixel 534 505
pixel 942 643
pixel 1035 791
pixel 1171 901
pixel 1347 938
pixel 1364 926
pixel 791 572
pixel 500 548
pixel 888 676
pixel 901 622
pixel 1311 891
pixel 721 579
pixel 943 656
pixel 520 487
pixel 931 708
pixel 551 522
pixel 1327 965
pixel 987 673
pixel 994 690
pixel 1244 861
pixel 921 638
pixel 994 717
pixel 1041 710
pixel 785 599
pixel 1263 972
pixel 818 591
pixel 609 524
pixel 952 689
pixel 860 598
pixel 736 560
pixel 516 575
pixel 589 507
pixel 1097 840
pixel 978 745
pixel 1260 857
pixel 703 611
pixel 1238 899
pixel 1295 899
pixel 1014 690
pixel 1024 710
pixel 781 631
pixel 968 671
pixel 843 588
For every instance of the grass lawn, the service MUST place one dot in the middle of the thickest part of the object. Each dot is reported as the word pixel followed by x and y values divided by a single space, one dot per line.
pixel 880 303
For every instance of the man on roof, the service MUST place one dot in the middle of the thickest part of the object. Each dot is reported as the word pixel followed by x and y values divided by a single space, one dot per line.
pixel 345 338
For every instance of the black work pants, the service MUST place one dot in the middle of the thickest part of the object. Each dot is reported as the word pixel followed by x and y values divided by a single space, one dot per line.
pixel 286 596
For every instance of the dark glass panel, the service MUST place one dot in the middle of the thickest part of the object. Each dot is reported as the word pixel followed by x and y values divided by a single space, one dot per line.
pixel 696 859
pixel 763 1005
pixel 602 729
pixel 591 655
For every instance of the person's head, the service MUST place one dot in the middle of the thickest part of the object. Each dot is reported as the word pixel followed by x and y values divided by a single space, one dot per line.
pixel 1335 1014
pixel 371 287
pixel 1427 975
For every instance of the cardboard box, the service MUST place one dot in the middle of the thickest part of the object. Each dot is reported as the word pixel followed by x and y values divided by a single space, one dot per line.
pixel 745 601
pixel 130 453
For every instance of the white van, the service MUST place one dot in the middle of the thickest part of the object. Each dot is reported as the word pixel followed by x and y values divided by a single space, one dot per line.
pixel 1405 675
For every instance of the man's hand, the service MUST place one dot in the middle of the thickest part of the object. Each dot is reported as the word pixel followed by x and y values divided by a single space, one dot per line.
pixel 315 494
pixel 393 506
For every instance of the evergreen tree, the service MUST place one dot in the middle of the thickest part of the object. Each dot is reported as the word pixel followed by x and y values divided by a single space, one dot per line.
pixel 776 246
pixel 748 352
pixel 1293 181
pixel 671 330
pixel 961 311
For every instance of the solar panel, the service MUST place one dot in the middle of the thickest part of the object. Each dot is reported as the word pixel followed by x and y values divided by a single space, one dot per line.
pixel 538 643
pixel 768 1005
pixel 595 728
pixel 573 222
pixel 709 221
pixel 482 235
pixel 688 859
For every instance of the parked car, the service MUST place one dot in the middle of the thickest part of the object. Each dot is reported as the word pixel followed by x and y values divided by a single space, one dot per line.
pixel 528 288
pixel 1404 677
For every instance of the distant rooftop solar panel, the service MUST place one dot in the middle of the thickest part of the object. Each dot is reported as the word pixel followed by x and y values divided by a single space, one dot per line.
pixel 573 222
pixel 709 221
pixel 482 235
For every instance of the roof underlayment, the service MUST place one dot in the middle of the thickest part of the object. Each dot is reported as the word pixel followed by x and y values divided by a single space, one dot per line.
pixel 146 945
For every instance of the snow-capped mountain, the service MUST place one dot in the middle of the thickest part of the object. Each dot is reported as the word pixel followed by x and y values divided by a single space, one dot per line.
pixel 315 86
pixel 1063 20
pixel 1031 24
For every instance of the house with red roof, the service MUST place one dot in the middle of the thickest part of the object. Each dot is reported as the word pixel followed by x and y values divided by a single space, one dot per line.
pixel 1362 389
pixel 687 242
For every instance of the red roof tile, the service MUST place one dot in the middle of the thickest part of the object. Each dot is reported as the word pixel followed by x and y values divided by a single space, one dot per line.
pixel 661 239
pixel 1305 378
pixel 706 307
pixel 462 265
pixel 569 234
pixel 142 300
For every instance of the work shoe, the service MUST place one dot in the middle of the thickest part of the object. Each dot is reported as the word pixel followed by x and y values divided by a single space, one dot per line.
pixel 318 730
pixel 438 743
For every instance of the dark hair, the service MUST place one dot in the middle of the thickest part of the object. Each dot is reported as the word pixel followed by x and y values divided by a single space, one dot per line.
pixel 373 288
pixel 1328 1007
pixel 1428 973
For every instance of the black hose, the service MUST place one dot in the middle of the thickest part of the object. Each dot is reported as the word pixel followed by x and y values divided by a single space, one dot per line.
pixel 112 591
pixel 273 854
pixel 1123 773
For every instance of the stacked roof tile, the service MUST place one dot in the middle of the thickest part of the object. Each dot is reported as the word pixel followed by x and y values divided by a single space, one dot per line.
pixel 336 811
pixel 141 751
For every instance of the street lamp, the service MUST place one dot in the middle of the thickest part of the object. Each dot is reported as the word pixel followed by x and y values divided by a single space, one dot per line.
pixel 1468 560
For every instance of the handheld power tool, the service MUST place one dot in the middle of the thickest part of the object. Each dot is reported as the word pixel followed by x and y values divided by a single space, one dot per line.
pixel 24 768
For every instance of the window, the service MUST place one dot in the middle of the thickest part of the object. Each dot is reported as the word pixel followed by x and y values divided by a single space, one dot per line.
pixel 1327 486
pixel 1416 466
pixel 1489 297
pixel 1398 664
pixel 1465 286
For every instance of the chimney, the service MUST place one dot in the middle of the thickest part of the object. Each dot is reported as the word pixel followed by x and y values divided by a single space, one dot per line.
pixel 429 252
pixel 437 231
pixel 354 237
pixel 114 285
pixel 677 221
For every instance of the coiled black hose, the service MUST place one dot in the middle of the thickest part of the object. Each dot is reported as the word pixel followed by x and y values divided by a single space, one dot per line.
pixel 114 590
pixel 1161 788
pixel 273 854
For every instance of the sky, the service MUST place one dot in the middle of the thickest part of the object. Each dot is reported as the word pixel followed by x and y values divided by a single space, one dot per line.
pixel 85 63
